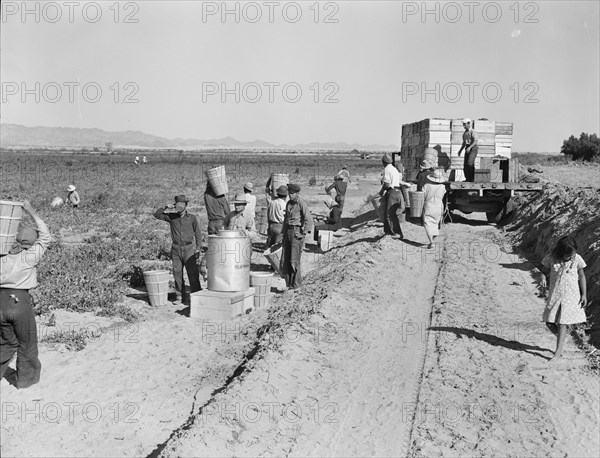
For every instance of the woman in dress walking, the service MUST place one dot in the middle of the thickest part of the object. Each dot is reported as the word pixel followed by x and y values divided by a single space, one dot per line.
pixel 433 208
pixel 567 294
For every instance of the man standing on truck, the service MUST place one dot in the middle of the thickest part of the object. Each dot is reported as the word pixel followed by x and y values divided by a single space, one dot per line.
pixel 470 146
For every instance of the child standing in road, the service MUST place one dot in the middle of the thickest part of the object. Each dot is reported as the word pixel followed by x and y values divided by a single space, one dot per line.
pixel 567 295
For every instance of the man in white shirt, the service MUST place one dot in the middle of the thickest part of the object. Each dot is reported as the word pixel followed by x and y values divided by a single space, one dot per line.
pixel 392 202
pixel 18 274
pixel 276 216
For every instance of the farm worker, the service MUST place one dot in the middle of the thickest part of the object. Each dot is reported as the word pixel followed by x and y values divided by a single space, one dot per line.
pixel 567 295
pixel 276 216
pixel 392 202
pixel 18 274
pixel 137 160
pixel 72 196
pixel 469 144
pixel 251 199
pixel 340 186
pixel 344 174
pixel 144 160
pixel 297 223
pixel 268 190
pixel 333 222
pixel 238 220
pixel 425 170
pixel 433 208
pixel 187 238
pixel 217 209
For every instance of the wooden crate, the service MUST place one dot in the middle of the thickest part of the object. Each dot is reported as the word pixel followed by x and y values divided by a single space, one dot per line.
pixel 486 151
pixel 435 137
pixel 486 139
pixel 484 125
pixel 504 128
pixel 219 305
pixel 456 125
pixel 503 151
pixel 435 124
pixel 493 165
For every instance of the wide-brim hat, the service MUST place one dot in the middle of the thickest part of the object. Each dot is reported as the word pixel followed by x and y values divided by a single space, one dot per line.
pixel 425 165
pixel 249 186
pixel 293 188
pixel 282 190
pixel 437 176
pixel 387 158
pixel 70 188
pixel 181 198
pixel 240 199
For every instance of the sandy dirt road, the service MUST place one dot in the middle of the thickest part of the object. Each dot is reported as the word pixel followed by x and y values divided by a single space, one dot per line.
pixel 488 388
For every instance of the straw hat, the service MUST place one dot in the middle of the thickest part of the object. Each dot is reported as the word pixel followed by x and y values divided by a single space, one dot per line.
pixel 425 165
pixel 437 176
pixel 466 121
pixel 387 158
pixel 249 186
pixel 240 199
pixel 71 188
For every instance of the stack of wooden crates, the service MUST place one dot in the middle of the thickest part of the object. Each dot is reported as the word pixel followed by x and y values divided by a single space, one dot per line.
pixel 445 135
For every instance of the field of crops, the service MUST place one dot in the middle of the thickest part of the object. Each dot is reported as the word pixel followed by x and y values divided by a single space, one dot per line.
pixel 101 250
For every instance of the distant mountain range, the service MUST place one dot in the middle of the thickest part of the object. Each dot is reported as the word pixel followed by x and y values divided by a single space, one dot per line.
pixel 15 135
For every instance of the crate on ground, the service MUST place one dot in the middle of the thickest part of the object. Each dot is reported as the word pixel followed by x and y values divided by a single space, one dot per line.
pixel 484 126
pixel 221 305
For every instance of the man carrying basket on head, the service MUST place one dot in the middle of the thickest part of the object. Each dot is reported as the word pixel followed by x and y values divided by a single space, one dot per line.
pixel 185 251
pixel 18 274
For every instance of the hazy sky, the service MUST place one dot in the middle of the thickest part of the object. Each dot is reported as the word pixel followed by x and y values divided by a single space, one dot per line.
pixel 373 60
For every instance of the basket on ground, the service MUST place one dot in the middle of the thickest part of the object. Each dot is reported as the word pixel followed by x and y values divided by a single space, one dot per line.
pixel 157 285
pixel 261 281
pixel 273 255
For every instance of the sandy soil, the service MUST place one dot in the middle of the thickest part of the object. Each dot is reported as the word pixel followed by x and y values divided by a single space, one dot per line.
pixel 333 370
pixel 488 388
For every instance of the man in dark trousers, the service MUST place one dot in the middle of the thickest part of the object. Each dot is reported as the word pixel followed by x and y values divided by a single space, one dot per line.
pixel 340 187
pixel 217 209
pixel 184 251
pixel 18 274
pixel 470 146
pixel 297 224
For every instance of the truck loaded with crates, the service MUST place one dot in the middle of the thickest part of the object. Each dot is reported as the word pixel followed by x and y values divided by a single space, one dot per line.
pixel 439 140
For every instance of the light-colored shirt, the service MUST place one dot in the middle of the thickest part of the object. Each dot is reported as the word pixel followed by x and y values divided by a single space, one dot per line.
pixel 469 137
pixel 19 271
pixel 239 221
pixel 276 212
pixel 251 206
pixel 391 176
pixel 73 198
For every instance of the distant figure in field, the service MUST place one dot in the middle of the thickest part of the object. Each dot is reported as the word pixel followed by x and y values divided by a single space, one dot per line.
pixel 469 144
pixel 144 160
pixel 72 199
pixel 251 199
pixel 276 216
pixel 433 207
pixel 217 209
pixel 185 251
pixel 344 174
pixel 567 294
pixel 238 220
pixel 137 160
pixel 18 274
